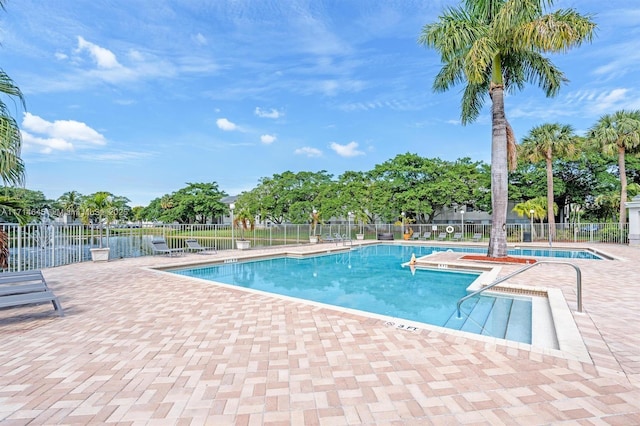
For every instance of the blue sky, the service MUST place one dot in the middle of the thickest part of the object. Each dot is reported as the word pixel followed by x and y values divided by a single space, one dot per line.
pixel 140 97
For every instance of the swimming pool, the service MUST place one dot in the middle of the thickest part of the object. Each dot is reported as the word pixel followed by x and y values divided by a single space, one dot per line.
pixel 371 279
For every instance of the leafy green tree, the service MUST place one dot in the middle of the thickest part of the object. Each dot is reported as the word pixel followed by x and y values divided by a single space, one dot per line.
pixel 153 211
pixel 497 45
pixel 195 203
pixel 577 179
pixel 32 203
pixel 286 197
pixel 543 143
pixel 353 192
pixel 617 134
pixel 421 187
pixel 527 181
pixel 137 213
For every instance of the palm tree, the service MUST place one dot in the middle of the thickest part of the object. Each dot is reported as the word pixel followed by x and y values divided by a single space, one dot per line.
pixel 618 133
pixel 70 202
pixel 11 165
pixel 10 208
pixel 498 45
pixel 98 207
pixel 543 143
pixel 533 209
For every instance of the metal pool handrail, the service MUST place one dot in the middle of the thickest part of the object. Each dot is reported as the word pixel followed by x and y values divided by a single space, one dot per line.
pixel 506 277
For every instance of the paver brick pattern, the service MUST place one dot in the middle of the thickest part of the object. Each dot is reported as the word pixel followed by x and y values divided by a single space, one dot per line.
pixel 141 347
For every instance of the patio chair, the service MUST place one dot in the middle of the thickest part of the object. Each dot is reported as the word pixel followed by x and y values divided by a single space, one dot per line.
pixel 160 247
pixel 477 237
pixel 194 246
pixel 26 288
pixel 426 235
pixel 328 239
pixel 442 236
pixel 457 236
pixel 415 236
pixel 341 238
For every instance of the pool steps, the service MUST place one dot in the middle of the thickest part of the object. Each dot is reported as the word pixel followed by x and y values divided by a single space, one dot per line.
pixel 501 317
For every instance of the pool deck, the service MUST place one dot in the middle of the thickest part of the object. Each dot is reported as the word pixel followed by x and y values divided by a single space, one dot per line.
pixel 137 346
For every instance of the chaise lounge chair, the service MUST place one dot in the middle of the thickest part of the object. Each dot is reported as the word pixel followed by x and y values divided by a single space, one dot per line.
pixel 341 238
pixel 426 236
pixel 442 236
pixel 194 246
pixel 415 236
pixel 477 237
pixel 160 247
pixel 328 239
pixel 457 236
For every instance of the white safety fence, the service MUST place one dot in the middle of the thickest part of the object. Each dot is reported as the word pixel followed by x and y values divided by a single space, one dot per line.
pixel 37 246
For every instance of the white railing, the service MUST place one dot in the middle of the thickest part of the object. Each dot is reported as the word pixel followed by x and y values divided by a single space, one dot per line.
pixel 37 246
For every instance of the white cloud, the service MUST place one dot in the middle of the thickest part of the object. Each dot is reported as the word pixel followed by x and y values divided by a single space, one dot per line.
pixel 44 145
pixel 200 39
pixel 348 150
pixel 226 125
pixel 610 101
pixel 61 135
pixel 308 151
pixel 272 113
pixel 267 139
pixel 104 58
pixel 597 102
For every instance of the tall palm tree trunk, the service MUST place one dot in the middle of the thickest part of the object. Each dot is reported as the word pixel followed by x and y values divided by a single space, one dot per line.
pixel 550 210
pixel 4 249
pixel 623 188
pixel 499 174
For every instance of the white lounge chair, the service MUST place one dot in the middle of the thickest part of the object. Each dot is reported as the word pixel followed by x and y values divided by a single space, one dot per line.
pixel 160 247
pixel 477 237
pixel 194 246
pixel 426 235
pixel 457 236
pixel 442 236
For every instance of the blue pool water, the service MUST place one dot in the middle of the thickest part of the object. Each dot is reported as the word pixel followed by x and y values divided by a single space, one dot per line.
pixel 371 279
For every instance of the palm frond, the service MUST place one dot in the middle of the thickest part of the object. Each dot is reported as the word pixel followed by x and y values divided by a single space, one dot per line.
pixel 451 74
pixel 479 59
pixel 542 72
pixel 472 101
pixel 555 32
pixel 452 35
pixel 8 87
pixel 13 209
pixel 11 165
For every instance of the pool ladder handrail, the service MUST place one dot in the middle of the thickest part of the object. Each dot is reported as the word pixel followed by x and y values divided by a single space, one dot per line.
pixel 526 268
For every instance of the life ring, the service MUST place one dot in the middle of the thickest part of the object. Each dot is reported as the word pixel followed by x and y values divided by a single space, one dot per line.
pixel 449 229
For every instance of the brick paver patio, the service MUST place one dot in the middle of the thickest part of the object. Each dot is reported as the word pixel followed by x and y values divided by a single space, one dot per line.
pixel 137 346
